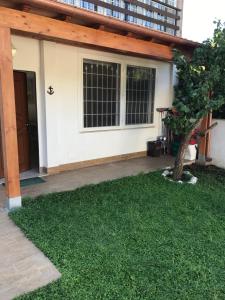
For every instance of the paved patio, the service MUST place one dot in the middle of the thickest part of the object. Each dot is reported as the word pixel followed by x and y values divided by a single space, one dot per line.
pixel 73 179
pixel 23 267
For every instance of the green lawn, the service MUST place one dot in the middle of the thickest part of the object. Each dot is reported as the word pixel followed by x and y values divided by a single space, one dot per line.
pixel 136 238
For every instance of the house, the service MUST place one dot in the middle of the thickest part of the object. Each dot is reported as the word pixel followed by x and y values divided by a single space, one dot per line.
pixel 81 88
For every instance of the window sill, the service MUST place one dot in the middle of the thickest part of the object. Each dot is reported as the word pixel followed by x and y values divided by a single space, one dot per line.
pixel 115 128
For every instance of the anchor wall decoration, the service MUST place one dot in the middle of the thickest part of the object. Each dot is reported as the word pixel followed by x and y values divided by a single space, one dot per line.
pixel 50 90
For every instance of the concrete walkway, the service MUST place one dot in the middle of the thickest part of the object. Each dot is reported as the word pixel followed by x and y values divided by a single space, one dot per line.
pixel 23 268
pixel 73 179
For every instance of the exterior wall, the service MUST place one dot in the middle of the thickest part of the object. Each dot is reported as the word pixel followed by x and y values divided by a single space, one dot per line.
pixel 60 115
pixel 218 144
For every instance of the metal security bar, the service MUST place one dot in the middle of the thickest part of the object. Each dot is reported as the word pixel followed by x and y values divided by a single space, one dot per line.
pixel 152 14
pixel 140 95
pixel 101 92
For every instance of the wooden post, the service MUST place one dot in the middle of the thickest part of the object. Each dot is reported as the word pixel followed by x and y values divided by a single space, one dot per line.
pixel 8 121
pixel 208 137
pixel 204 146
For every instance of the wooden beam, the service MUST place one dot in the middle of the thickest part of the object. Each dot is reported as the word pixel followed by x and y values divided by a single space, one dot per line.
pixel 25 8
pixel 101 27
pixel 91 17
pixel 64 18
pixel 50 29
pixel 130 34
pixel 208 137
pixel 153 40
pixel 8 120
pixel 204 145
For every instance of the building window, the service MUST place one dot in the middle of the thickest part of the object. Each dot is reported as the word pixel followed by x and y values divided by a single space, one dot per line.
pixel 101 90
pixel 140 95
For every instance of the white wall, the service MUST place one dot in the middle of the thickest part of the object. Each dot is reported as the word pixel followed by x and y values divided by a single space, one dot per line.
pixel 218 144
pixel 60 115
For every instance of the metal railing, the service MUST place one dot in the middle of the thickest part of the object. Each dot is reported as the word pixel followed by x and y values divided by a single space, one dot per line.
pixel 155 14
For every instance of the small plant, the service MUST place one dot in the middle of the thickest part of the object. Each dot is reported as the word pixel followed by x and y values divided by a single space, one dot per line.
pixel 200 90
pixel 186 177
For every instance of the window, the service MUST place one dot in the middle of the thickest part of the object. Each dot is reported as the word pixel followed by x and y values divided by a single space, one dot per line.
pixel 140 95
pixel 101 90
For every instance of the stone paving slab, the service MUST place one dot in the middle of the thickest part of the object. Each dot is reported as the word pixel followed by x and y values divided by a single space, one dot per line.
pixel 23 267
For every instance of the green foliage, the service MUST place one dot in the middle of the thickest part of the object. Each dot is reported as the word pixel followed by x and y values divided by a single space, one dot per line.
pixel 200 87
pixel 220 113
pixel 133 238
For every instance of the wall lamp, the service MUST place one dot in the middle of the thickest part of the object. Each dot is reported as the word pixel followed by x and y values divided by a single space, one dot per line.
pixel 14 50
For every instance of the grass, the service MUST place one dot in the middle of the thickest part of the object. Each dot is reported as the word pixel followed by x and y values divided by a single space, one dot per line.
pixel 135 238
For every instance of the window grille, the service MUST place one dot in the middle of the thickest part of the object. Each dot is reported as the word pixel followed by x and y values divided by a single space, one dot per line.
pixel 140 95
pixel 101 92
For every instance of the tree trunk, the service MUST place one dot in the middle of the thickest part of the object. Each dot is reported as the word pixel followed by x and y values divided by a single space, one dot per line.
pixel 179 162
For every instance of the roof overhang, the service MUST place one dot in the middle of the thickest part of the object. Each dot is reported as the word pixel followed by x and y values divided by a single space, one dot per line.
pixel 92 30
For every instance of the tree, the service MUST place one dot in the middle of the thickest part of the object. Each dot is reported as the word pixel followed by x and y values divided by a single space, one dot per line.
pixel 200 90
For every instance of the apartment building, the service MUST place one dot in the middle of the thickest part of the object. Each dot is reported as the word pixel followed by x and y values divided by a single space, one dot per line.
pixel 164 15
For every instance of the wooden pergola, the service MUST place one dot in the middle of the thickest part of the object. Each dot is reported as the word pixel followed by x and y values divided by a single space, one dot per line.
pixel 37 19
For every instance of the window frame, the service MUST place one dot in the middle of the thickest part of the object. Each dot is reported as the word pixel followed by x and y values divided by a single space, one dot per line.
pixel 124 62
pixel 118 97
pixel 151 92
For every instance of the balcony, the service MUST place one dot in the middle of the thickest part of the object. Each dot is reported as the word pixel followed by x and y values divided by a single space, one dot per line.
pixel 151 14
